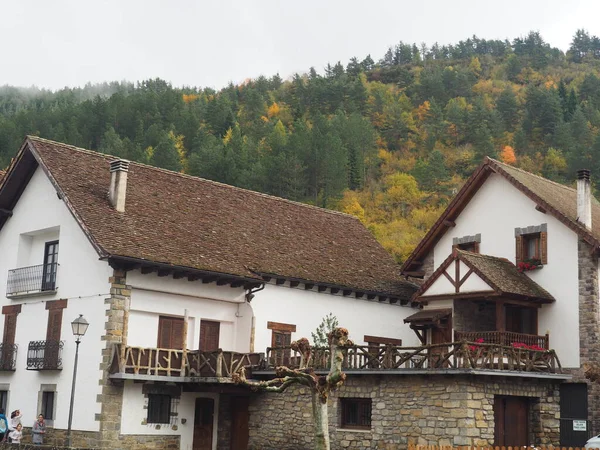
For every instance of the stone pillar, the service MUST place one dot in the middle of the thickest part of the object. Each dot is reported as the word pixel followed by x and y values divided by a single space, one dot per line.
pixel 589 324
pixel 115 331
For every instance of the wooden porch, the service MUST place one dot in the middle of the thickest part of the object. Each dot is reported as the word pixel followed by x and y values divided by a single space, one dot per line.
pixel 162 362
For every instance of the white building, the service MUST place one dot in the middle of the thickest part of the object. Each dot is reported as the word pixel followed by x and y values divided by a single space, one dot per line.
pixel 209 274
pixel 514 260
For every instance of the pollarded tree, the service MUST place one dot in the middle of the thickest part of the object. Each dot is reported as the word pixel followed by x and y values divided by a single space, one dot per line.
pixel 320 385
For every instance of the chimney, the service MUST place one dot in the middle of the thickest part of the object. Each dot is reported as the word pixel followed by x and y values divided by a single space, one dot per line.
pixel 118 183
pixel 584 198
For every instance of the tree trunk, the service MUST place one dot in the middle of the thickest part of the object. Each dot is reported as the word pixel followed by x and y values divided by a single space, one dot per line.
pixel 320 417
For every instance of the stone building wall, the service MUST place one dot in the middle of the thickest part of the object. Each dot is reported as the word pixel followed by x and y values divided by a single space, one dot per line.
pixel 428 410
pixel 428 265
pixel 471 316
pixel 589 327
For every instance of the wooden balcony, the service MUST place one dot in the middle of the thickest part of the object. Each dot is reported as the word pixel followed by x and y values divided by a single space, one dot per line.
pixel 456 355
pixel 142 363
pixel 504 338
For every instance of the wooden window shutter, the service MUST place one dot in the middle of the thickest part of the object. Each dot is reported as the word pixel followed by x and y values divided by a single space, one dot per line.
pixel 476 247
pixel 10 328
pixel 519 249
pixel 165 326
pixel 177 334
pixel 544 247
pixel 54 324
pixel 209 335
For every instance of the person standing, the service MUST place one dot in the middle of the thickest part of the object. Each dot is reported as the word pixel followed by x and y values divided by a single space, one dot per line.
pixel 3 426
pixel 39 429
pixel 16 434
pixel 15 419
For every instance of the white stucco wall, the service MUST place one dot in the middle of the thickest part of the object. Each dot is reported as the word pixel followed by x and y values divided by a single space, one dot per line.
pixel 132 421
pixel 306 309
pixel 153 296
pixel 495 211
pixel 82 279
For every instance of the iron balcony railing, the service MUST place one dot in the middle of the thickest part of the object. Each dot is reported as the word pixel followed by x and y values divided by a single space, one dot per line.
pixel 8 356
pixel 45 355
pixel 31 280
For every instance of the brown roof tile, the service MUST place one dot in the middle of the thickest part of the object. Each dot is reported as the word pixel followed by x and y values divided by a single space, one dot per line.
pixel 186 221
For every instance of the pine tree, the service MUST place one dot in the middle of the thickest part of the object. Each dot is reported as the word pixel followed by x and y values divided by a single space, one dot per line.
pixel 166 155
pixel 320 335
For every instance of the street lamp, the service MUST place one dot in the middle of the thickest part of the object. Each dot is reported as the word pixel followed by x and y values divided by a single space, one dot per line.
pixel 79 326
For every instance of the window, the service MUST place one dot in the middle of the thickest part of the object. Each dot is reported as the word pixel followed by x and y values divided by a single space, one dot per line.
pixel 467 243
pixel 170 332
pixel 532 244
pixel 469 247
pixel 281 337
pixel 47 405
pixel 3 399
pixel 209 335
pixel 159 408
pixel 356 413
pixel 50 266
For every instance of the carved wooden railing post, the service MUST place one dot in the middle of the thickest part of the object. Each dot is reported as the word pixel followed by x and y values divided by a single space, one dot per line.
pixel 219 365
pixel 184 337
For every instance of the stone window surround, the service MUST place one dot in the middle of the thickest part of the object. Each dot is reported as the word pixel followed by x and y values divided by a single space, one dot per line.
pixel 531 229
pixel 47 388
pixel 467 239
pixel 173 391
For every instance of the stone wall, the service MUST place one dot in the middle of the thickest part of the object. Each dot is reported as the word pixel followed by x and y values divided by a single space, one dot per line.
pixel 427 266
pixel 428 410
pixel 589 328
pixel 471 316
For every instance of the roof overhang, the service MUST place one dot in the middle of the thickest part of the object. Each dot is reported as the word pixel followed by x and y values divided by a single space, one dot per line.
pixel 346 291
pixel 427 318
pixel 164 269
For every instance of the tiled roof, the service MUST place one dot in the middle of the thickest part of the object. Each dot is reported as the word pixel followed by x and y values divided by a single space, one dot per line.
pixel 562 198
pixel 428 315
pixel 184 221
pixel 500 274
pixel 556 199
pixel 504 276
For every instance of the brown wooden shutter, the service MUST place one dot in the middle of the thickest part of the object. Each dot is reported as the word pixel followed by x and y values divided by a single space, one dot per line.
pixel 54 324
pixel 476 247
pixel 10 329
pixel 519 249
pixel 544 247
pixel 170 332
pixel 209 335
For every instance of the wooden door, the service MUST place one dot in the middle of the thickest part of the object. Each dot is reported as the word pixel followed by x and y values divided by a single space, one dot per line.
pixel 239 423
pixel 50 266
pixel 573 406
pixel 511 416
pixel 209 335
pixel 203 424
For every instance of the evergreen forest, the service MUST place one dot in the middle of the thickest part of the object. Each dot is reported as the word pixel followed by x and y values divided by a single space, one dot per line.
pixel 389 140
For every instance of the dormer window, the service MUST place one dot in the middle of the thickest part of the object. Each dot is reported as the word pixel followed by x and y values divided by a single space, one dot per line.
pixel 467 243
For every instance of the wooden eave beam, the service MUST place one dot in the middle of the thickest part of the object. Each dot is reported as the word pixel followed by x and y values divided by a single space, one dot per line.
pixel 237 284
pixel 360 294
pixel 294 284
pixel 371 296
pixel 148 269
pixel 334 290
pixel 322 288
pixel 382 298
pixel 346 292
pixel 223 281
pixel 280 281
pixel 540 209
pixel 163 272
pixel 208 279
pixel 308 286
pixel 193 277
pixel 179 275
pixel 449 223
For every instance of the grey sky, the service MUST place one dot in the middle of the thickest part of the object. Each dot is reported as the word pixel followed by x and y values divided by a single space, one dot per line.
pixel 61 43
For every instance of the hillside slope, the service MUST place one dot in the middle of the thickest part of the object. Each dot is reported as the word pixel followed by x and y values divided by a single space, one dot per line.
pixel 388 141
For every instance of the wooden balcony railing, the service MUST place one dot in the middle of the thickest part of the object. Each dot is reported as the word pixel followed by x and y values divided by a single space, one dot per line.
pixel 456 355
pixel 181 363
pixel 504 338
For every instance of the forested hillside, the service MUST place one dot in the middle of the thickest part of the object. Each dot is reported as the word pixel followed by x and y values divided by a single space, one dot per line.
pixel 388 141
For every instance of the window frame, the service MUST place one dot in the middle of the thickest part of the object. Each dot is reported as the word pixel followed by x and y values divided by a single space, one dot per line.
pixel 348 402
pixel 159 413
pixel 50 284
pixel 4 398
pixel 527 239
pixel 523 237
pixel 48 413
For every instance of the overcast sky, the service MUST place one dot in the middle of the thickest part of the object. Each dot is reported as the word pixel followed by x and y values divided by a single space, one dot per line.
pixel 60 43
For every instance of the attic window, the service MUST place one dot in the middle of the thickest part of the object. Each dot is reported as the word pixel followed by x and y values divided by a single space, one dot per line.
pixel 467 243
pixel 531 244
